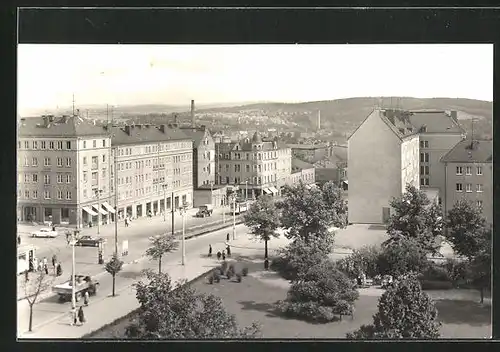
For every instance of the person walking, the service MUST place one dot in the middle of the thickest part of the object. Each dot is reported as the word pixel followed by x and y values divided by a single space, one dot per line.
pixel 209 250
pixel 227 237
pixel 68 238
pixel 18 240
pixel 228 250
pixel 223 255
pixel 40 266
pixel 81 315
pixel 59 269
pixel 54 260
pixel 72 316
pixel 46 268
pixel 126 222
pixel 218 255
pixel 35 264
pixel 44 261
pixel 86 298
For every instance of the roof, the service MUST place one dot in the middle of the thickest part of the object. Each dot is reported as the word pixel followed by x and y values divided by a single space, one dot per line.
pixel 478 151
pixel 62 126
pixel 435 121
pixel 196 134
pixel 398 121
pixel 300 164
pixel 307 146
pixel 224 147
pixel 145 134
pixel 256 137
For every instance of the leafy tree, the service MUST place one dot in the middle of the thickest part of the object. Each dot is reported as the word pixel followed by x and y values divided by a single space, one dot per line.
pixel 480 265
pixel 332 196
pixel 160 245
pixel 465 226
pixel 171 311
pixel 402 257
pixel 263 220
pixel 364 260
pixel 415 217
pixel 304 212
pixel 32 289
pixel 404 312
pixel 114 266
pixel 320 294
pixel 299 256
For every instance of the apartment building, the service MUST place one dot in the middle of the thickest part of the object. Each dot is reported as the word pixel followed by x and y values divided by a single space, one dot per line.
pixel 383 157
pixel 255 166
pixel 154 169
pixel 203 155
pixel 439 132
pixel 62 163
pixel 302 171
pixel 469 174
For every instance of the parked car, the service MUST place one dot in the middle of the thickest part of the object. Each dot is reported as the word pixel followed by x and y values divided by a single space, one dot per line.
pixel 89 241
pixel 205 210
pixel 45 232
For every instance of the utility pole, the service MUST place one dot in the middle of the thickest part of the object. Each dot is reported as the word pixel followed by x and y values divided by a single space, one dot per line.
pixel 115 174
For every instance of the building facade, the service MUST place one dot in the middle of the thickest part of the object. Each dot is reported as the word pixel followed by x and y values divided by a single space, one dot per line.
pixel 383 159
pixel 469 175
pixel 253 166
pixel 203 155
pixel 154 169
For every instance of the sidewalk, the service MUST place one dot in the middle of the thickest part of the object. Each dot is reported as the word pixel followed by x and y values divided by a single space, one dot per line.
pixel 105 310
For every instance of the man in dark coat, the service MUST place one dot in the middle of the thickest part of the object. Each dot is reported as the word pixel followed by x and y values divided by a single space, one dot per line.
pixel 209 250
pixel 228 250
pixel 81 315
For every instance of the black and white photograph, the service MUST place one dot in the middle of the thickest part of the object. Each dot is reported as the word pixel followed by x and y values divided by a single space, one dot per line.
pixel 254 191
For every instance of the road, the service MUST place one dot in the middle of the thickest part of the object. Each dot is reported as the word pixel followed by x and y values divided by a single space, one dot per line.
pixel 49 309
pixel 137 234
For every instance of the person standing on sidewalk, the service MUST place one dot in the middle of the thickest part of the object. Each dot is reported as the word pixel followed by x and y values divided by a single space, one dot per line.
pixel 46 268
pixel 86 298
pixel 227 237
pixel 81 315
pixel 228 250
pixel 18 240
pixel 209 250
pixel 54 260
pixel 223 255
pixel 218 255
pixel 72 316
pixel 35 264
pixel 44 261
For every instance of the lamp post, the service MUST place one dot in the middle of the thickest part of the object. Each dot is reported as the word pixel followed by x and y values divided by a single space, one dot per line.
pixel 73 268
pixel 223 209
pixel 211 192
pixel 98 193
pixel 164 186
pixel 234 215
pixel 183 213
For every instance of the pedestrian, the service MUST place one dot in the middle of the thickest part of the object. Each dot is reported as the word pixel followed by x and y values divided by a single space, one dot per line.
pixel 59 269
pixel 223 255
pixel 227 237
pixel 35 264
pixel 46 268
pixel 30 264
pixel 54 260
pixel 209 250
pixel 68 238
pixel 44 261
pixel 81 316
pixel 228 250
pixel 40 266
pixel 218 255
pixel 73 317
pixel 86 298
pixel 26 276
pixel 126 222
pixel 53 228
pixel 18 240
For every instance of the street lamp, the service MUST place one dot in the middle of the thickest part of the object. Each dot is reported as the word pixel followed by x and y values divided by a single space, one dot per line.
pixel 98 193
pixel 234 215
pixel 73 267
pixel 223 209
pixel 164 186
pixel 183 213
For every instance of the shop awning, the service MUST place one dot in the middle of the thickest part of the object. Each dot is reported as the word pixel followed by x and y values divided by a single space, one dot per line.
pixel 90 211
pixel 267 191
pixel 101 210
pixel 108 207
pixel 274 190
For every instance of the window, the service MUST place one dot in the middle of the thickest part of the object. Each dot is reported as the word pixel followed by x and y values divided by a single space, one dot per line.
pixel 84 193
pixel 468 170
pixel 68 162
pixel 94 176
pixel 68 145
pixel 479 204
pixel 459 187
pixel 459 170
pixel 51 145
pixel 43 145
pixel 59 194
pixel 479 170
pixel 59 178
pixel 60 162
pixel 26 194
pixel 468 187
pixel 35 178
pixel 35 144
pixel 247 168
pixel 84 144
pixel 68 195
pixel 68 178
pixel 26 178
pixel 46 162
pixel 26 161
pixel 85 176
pixel 104 158
pixel 26 145
pixel 103 142
pixel 35 194
pixel 59 145
pixel 103 172
pixel 84 160
pixel 424 157
pixel 34 162
pixel 424 144
pixel 479 187
pixel 94 144
pixel 46 194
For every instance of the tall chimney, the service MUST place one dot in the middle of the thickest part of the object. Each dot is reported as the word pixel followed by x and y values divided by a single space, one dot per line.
pixel 192 114
pixel 319 120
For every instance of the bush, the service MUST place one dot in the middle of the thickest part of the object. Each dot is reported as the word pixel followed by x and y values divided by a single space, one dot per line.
pixel 229 274
pixel 401 257
pixel 435 272
pixel 308 311
pixel 244 271
pixel 238 277
pixel 223 267
pixel 457 270
pixel 232 268
pixel 281 266
pixel 211 279
pixel 436 285
pixel 365 260
pixel 216 276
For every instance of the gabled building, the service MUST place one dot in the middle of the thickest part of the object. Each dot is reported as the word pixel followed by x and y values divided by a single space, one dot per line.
pixel 203 155
pixel 383 158
pixel 468 170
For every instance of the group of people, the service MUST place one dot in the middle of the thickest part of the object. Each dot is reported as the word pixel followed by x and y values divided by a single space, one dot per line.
pixel 38 265
pixel 77 316
pixel 219 253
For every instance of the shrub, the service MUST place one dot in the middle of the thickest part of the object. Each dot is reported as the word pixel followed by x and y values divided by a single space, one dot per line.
pixel 436 285
pixel 457 270
pixel 232 268
pixel 365 260
pixel 216 276
pixel 229 274
pixel 211 279
pixel 238 277
pixel 223 267
pixel 244 271
pixel 308 311
pixel 435 272
pixel 402 257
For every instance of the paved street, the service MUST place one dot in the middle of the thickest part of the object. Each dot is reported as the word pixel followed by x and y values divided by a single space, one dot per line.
pixel 137 233
pixel 50 318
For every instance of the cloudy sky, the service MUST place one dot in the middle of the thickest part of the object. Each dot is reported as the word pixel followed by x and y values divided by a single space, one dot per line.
pixel 48 75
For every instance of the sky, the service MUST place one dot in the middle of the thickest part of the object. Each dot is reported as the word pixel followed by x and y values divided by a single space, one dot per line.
pixel 49 75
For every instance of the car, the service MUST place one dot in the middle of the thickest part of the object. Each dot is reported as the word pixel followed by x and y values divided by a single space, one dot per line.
pixel 89 241
pixel 205 210
pixel 45 232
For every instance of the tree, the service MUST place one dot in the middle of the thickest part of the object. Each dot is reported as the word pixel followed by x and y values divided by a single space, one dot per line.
pixel 465 228
pixel 171 311
pixel 304 212
pixel 32 289
pixel 402 257
pixel 364 260
pixel 114 266
pixel 480 265
pixel 332 196
pixel 404 312
pixel 415 217
pixel 160 245
pixel 320 294
pixel 263 220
